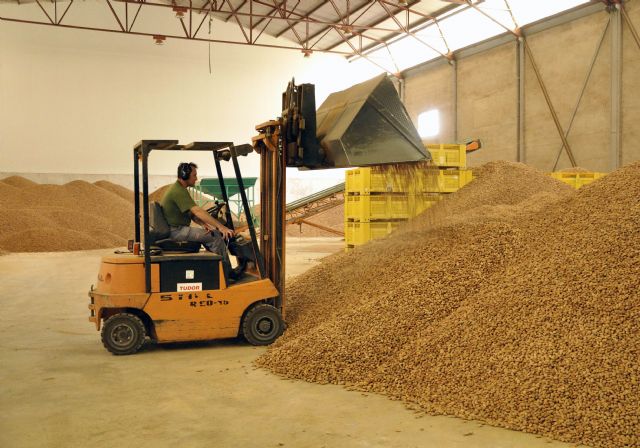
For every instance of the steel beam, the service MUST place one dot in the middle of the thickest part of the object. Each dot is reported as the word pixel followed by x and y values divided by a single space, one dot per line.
pixel 522 39
pixel 530 29
pixel 616 86
pixel 406 31
pixel 364 8
pixel 51 22
pixel 632 28
pixel 403 30
pixel 198 39
pixel 454 99
pixel 547 98
pixel 307 15
pixel 274 8
pixel 521 70
pixel 65 12
pixel 226 19
pixel 584 87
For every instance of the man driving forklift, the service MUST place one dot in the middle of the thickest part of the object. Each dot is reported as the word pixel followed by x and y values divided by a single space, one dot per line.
pixel 180 209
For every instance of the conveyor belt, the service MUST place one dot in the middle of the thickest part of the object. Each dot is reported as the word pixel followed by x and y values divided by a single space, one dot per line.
pixel 291 206
pixel 300 210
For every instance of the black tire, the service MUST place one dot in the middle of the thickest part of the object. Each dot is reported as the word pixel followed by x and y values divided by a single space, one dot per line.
pixel 262 325
pixel 123 334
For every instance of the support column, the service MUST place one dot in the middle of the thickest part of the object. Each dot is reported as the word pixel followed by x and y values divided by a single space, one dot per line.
pixel 520 70
pixel 616 86
pixel 454 100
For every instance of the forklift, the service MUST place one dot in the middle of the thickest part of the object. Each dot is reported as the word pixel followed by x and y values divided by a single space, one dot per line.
pixel 168 291
pixel 171 292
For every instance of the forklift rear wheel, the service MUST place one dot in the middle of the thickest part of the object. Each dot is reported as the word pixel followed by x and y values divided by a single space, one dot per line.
pixel 123 334
pixel 262 325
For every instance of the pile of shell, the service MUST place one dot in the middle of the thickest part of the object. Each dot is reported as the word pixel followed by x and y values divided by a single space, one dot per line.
pixel 514 301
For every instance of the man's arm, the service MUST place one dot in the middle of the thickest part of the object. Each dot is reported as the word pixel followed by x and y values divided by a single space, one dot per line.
pixel 200 214
pixel 196 219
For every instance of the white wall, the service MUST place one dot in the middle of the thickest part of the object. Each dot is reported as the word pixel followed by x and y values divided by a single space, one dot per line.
pixel 74 101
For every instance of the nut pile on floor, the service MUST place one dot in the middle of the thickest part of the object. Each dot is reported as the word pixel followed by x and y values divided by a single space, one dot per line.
pixel 75 216
pixel 333 218
pixel 514 301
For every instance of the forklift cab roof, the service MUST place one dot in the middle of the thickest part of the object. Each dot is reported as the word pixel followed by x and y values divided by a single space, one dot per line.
pixel 221 150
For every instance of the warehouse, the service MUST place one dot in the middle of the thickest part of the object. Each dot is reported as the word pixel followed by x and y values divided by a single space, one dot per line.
pixel 408 223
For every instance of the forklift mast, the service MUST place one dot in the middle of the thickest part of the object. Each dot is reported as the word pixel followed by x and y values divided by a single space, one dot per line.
pixel 364 125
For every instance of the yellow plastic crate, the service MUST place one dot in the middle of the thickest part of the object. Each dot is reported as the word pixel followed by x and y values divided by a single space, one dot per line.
pixel 366 208
pixel 420 202
pixel 378 180
pixel 358 233
pixel 577 180
pixel 445 181
pixel 448 155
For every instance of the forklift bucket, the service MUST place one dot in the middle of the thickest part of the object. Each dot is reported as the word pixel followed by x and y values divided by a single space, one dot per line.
pixel 367 124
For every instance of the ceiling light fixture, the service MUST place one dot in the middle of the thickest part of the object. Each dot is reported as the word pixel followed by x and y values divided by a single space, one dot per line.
pixel 306 52
pixel 158 39
pixel 180 11
pixel 347 29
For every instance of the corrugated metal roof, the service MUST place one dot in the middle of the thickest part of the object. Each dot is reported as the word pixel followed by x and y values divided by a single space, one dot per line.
pixel 348 26
pixel 391 34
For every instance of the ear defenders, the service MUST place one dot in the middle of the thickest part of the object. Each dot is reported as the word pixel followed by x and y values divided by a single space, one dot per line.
pixel 184 171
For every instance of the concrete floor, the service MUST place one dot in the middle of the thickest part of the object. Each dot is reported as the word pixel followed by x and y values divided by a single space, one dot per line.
pixel 60 388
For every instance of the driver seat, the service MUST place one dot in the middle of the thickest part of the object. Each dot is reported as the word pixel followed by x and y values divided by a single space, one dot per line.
pixel 159 232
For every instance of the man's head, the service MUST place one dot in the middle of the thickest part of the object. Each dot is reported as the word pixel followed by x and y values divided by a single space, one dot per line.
pixel 188 174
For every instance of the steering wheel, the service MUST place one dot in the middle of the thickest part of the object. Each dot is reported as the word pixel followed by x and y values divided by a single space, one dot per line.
pixel 217 211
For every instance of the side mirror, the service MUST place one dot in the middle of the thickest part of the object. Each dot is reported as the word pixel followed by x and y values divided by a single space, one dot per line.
pixel 225 155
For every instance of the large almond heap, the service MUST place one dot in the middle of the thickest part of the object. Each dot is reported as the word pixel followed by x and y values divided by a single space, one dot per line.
pixel 74 216
pixel 515 301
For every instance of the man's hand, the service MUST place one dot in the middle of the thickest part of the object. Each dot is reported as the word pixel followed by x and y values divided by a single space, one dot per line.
pixel 227 233
pixel 211 224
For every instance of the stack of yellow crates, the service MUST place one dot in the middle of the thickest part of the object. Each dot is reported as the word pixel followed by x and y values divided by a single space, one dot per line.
pixel 575 179
pixel 378 199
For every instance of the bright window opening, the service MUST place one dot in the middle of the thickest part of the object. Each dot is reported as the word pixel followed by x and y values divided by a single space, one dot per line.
pixel 429 123
pixel 462 27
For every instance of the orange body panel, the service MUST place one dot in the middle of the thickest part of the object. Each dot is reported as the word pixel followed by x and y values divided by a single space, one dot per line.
pixel 176 316
pixel 125 275
pixel 214 314
pixel 101 302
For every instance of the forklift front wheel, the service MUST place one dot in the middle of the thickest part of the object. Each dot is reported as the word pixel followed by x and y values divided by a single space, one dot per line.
pixel 123 334
pixel 262 325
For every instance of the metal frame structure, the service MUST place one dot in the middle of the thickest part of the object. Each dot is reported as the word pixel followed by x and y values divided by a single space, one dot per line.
pixel 198 192
pixel 616 11
pixel 343 27
pixel 618 17
pixel 355 27
pixel 299 212
pixel 351 28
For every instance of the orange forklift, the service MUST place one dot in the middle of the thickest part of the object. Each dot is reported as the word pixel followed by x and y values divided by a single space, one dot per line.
pixel 169 291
